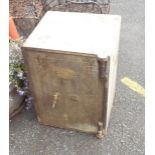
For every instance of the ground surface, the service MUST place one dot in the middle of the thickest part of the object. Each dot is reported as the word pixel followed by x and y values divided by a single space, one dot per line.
pixel 126 129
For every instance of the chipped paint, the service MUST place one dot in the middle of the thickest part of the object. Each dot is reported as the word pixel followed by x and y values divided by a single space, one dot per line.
pixel 64 73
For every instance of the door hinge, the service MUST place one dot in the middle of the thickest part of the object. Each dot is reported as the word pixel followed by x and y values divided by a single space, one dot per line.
pixel 103 63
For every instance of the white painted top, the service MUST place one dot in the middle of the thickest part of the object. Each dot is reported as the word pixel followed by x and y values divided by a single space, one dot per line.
pixel 77 32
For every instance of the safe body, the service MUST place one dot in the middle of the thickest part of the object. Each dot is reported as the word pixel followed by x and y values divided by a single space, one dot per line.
pixel 72 63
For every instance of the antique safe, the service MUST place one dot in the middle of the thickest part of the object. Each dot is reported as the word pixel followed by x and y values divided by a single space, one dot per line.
pixel 71 60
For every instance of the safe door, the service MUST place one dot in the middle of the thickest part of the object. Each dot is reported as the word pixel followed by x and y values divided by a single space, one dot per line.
pixel 68 89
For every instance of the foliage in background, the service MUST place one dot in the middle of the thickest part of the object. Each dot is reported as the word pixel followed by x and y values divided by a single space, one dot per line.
pixel 17 70
pixel 16 64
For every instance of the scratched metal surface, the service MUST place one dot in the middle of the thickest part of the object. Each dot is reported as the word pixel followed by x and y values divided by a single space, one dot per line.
pixel 68 90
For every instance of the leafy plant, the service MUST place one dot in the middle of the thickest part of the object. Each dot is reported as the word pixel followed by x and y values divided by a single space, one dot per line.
pixel 17 70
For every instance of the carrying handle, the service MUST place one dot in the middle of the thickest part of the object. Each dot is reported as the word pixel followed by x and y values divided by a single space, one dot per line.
pixel 55 99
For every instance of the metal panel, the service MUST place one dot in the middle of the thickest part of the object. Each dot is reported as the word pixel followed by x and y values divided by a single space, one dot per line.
pixel 68 89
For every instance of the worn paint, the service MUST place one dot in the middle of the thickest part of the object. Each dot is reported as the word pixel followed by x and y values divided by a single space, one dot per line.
pixel 64 73
pixel 133 85
pixel 65 116
pixel 86 127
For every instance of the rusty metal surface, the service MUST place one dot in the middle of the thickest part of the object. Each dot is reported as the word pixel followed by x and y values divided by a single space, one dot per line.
pixel 68 90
